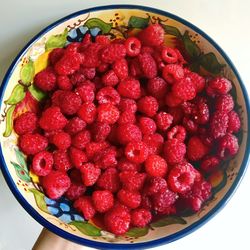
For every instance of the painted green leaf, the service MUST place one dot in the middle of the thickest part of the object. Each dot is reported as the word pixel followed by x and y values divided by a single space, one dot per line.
pixel 190 46
pixel 171 30
pixel 9 121
pixel 138 22
pixel 210 63
pixel 98 23
pixel 168 220
pixel 37 93
pixel 21 159
pixel 195 66
pixel 39 197
pixel 17 95
pixel 21 172
pixel 86 228
pixel 27 72
pixel 56 41
pixel 137 232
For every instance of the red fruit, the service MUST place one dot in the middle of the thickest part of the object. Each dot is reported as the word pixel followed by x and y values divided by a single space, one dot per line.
pixel 89 73
pixel 102 200
pixel 107 113
pixel 45 79
pixel 102 39
pixel 133 46
pixel 127 133
pixel 197 80
pixel 190 125
pixel 126 117
pixel 127 104
pixel 196 149
pixel 129 88
pixel 81 139
pixel 75 191
pixel 177 132
pixel 134 68
pixel 77 157
pixel 77 78
pixel 42 163
pixel 172 101
pixel 120 68
pixel 169 55
pixel 155 185
pixel 94 148
pixel 63 83
pixel 163 120
pixel 136 152
pixel 106 158
pixel 92 55
pixel 61 140
pixel 86 92
pixel 218 86
pixel 224 103
pixel 148 65
pixel 74 126
pixel 131 180
pixel 154 143
pixel 55 55
pixel 126 165
pixel 218 124
pixel 156 166
pixel 209 164
pixel 148 105
pixel 90 174
pixel 234 123
pixel 200 112
pixel 100 131
pixel 108 95
pixel 25 123
pixel 146 202
pixel 85 205
pixel 157 87
pixel 129 198
pixel 110 78
pixel 113 52
pixel 61 160
pixel 140 217
pixel 174 151
pixel 87 112
pixel 147 125
pixel 172 73
pixel 227 146
pixel 177 114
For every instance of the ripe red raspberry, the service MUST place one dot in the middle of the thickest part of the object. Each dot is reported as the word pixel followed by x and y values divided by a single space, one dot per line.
pixel 153 35
pixel 224 103
pixel 42 163
pixel 72 47
pixel 61 140
pixel 126 165
pixel 109 180
pixel 106 158
pixel 209 164
pixel 177 114
pixel 133 46
pixel 127 133
pixel 55 55
pixel 81 139
pixel 52 119
pixel 75 191
pixel 85 205
pixel 94 148
pixel 146 202
pixel 234 123
pixel 127 104
pixel 90 174
pixel 63 83
pixel 196 149
pixel 200 112
pixel 130 199
pixel 103 200
pixel 100 131
pixel 227 146
pixel 77 78
pixel 163 120
pixel 55 98
pixel 154 143
pixel 32 144
pixel 172 73
pixel 169 55
pixel 117 220
pixel 147 125
pixel 136 152
pixel 197 80
pixel 218 86
pixel 172 101
pixel 148 49
pixel 218 124
pixel 103 67
pixel 74 126
pixel 25 123
pixel 55 184
pixel 86 92
pixel 61 160
pixel 134 68
pixel 110 78
pixel 89 73
pixel 77 157
pixel 129 88
pixel 120 68
pixel 87 112
pixel 126 117
pixel 108 95
pixel 190 125
pixel 107 113
pixel 148 105
pixel 155 185
pixel 91 55
pixel 157 87
pixel 148 65
pixel 177 132
pixel 156 166
pixel 46 79
pixel 174 151
pixel 131 180
pixel 113 52
pixel 102 39
pixel 140 217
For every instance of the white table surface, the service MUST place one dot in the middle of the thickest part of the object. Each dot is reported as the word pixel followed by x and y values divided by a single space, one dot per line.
pixel 227 21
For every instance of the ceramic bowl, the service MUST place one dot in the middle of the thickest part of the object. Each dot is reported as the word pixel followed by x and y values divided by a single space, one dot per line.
pixel 18 95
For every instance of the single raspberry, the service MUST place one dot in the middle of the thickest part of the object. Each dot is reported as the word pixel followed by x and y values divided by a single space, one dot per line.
pixel 102 39
pixel 148 105
pixel 61 140
pixel 172 101
pixel 177 132
pixel 163 120
pixel 140 217
pixel 174 151
pixel 109 180
pixel 90 174
pixel 172 73
pixel 42 163
pixel 72 47
pixel 55 98
pixel 56 183
pixel 148 65
pixel 153 35
pixel 197 80
pixel 77 157
pixel 25 123
pixel 77 78
pixel 177 114
pixel 120 68
pixel 202 190
pixel 85 205
pixel 227 146
pixel 94 148
pixel 107 113
pixel 147 125
pixel 218 124
pixel 188 108
pixel 81 139
pixel 146 202
pixel 100 131
pixel 127 104
pixel 103 67
pixel 190 125
pixel 87 112
pixel 134 68
pixel 136 152
pixel 103 200
pixel 131 180
pixel 128 132
pixel 196 149
pixel 156 166
pixel 106 158
pixel 46 79
pixel 92 55
pixel 126 165
pixel 154 143
pixel 86 92
pixel 113 52
pixel 108 95
pixel 129 88
pixel 169 55
pixel 200 112
pixel 155 185
pixel 218 86
pixel 110 78
pixel 224 103
pixel 157 87
pixel 89 73
pixel 133 46
pixel 148 49
pixel 209 164
pixel 234 123
pixel 130 199
pixel 55 55
pixel 126 117
pixel 61 160
pixel 74 126
pixel 63 83
pixel 75 191
pixel 32 144
pixel 52 119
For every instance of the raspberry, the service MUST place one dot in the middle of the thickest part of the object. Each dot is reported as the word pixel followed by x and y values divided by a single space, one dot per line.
pixel 52 119
pixel 218 86
pixel 42 163
pixel 177 114
pixel 129 88
pixel 136 152
pixel 89 73
pixel 190 125
pixel 72 47
pixel 126 117
pixel 63 83
pixel 157 87
pixel 74 126
pixel 103 67
pixel 55 98
pixel 174 151
pixel 81 139
pixel 107 113
pixel 224 103
pixel 117 220
pixel 109 180
pixel 155 185
pixel 169 55
pixel 120 68
pixel 94 148
pixel 163 120
pixel 77 157
pixel 131 199
pixel 148 65
pixel 154 143
pixel 147 125
pixel 146 202
pixel 75 191
pixel 85 205
pixel 197 80
pixel 140 217
pixel 234 123
pixel 209 164
pixel 108 95
pixel 113 52
pixel 200 112
pixel 100 131
pixel 61 140
pixel 102 39
pixel 77 78
pixel 196 149
pixel 218 124
pixel 87 112
pixel 133 46
pixel 90 174
pixel 153 35
pixel 127 133
pixel 131 180
pixel 106 158
pixel 172 101
pixel 61 160
pixel 25 123
pixel 86 92
pixel 110 78
pixel 156 166
pixel 134 68
pixel 55 55
pixel 45 79
pixel 32 144
pixel 227 146
pixel 172 73
pixel 148 105
pixel 91 55
pixel 177 132
pixel 56 183
pixel 102 200
pixel 148 49
pixel 128 105
pixel 126 165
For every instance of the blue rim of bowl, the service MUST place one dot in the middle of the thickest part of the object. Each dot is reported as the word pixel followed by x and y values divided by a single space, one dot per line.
pixel 153 243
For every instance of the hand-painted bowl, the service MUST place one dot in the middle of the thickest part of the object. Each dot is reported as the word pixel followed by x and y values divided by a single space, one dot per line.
pixel 18 94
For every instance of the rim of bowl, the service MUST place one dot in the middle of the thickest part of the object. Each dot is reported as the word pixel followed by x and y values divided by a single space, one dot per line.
pixel 153 243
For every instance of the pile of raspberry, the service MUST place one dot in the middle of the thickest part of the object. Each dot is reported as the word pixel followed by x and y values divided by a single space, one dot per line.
pixel 123 127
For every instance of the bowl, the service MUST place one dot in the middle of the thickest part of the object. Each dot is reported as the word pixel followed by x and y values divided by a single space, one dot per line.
pixel 18 95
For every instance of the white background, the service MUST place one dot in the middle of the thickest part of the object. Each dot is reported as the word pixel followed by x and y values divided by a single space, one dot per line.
pixel 227 21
